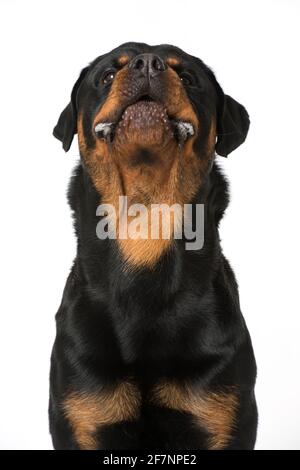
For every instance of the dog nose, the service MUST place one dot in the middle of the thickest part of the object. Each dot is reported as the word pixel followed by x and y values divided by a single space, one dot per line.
pixel 149 65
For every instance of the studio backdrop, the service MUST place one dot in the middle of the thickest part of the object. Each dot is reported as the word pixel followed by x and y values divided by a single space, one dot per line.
pixel 253 49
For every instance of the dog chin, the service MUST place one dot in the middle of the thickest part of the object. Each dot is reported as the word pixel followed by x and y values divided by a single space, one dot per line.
pixel 149 137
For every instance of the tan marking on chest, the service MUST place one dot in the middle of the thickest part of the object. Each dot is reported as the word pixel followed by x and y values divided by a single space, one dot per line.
pixel 88 412
pixel 216 411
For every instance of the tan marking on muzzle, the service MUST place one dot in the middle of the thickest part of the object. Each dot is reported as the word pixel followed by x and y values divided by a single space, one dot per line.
pixel 116 98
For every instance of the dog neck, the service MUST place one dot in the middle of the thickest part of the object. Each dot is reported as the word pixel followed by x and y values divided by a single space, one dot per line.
pixel 103 259
pixel 159 173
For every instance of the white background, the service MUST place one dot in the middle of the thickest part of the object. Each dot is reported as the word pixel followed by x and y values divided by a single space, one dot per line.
pixel 253 46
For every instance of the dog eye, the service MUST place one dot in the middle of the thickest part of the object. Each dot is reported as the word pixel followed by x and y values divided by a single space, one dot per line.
pixel 108 76
pixel 186 78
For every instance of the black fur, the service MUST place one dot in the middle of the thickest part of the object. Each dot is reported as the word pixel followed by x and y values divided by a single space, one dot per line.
pixel 181 320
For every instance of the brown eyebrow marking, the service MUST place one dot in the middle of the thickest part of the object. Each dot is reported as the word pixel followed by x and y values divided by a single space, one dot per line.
pixel 87 412
pixel 123 59
pixel 173 61
pixel 216 411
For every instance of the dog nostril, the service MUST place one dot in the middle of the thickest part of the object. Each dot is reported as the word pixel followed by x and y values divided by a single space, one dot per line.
pixel 139 64
pixel 148 65
pixel 157 64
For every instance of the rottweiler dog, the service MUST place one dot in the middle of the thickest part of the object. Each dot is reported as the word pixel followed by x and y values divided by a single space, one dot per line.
pixel 151 350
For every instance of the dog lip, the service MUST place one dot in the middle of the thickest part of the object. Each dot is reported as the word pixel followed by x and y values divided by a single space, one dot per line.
pixel 106 129
pixel 147 97
pixel 143 96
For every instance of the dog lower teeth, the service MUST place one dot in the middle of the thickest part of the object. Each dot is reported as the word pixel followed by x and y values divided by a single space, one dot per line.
pixel 184 130
pixel 104 130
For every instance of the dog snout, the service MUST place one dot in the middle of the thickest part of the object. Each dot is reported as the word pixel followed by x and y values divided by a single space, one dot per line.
pixel 148 65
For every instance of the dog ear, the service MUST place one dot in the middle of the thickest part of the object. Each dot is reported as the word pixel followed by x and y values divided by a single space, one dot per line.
pixel 233 125
pixel 66 125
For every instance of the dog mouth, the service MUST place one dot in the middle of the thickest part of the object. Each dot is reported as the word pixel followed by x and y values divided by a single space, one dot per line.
pixel 145 115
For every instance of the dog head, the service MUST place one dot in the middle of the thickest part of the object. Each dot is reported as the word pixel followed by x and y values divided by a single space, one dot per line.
pixel 149 121
pixel 149 112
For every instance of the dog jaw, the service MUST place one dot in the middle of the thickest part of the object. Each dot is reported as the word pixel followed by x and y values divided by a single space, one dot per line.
pixel 147 123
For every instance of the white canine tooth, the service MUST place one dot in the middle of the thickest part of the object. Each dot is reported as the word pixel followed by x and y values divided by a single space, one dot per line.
pixel 104 128
pixel 185 129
